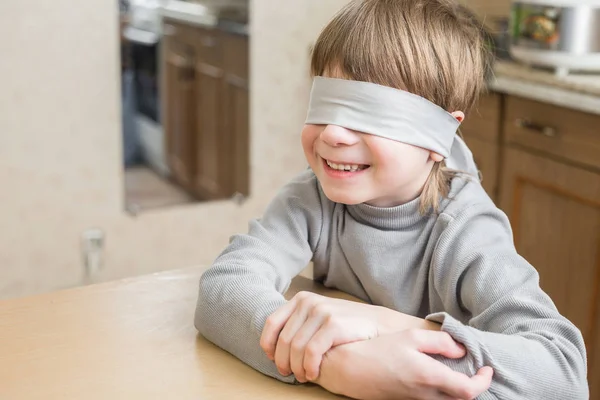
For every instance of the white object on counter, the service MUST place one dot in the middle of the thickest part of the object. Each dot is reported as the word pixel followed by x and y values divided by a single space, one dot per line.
pixel 194 13
pixel 139 36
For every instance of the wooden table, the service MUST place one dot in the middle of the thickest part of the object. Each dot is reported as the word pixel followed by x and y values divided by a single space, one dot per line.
pixel 131 339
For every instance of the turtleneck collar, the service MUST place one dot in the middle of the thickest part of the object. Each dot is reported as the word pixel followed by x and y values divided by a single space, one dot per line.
pixel 389 218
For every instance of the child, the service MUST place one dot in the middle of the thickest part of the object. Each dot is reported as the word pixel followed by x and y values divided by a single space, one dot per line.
pixel 452 310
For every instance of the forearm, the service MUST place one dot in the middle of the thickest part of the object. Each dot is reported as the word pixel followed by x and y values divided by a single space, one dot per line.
pixel 527 365
pixel 231 312
pixel 247 281
pixel 395 321
pixel 341 374
pixel 344 368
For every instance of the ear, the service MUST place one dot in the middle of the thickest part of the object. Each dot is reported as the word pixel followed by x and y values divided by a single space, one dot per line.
pixel 459 115
pixel 436 157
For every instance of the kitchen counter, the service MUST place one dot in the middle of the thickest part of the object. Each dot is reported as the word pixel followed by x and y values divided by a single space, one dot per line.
pixel 130 339
pixel 578 91
pixel 206 17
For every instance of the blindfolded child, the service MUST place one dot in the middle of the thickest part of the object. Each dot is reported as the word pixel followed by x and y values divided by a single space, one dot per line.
pixel 391 211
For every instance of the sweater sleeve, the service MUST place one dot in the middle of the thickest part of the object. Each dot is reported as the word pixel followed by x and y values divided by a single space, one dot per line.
pixel 494 305
pixel 247 281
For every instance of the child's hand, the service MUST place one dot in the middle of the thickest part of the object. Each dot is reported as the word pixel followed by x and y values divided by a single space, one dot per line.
pixel 397 366
pixel 298 334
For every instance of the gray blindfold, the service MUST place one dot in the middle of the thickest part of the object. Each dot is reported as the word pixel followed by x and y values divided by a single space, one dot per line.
pixel 382 111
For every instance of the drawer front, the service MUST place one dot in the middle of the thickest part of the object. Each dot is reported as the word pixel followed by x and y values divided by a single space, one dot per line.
pixel 208 46
pixel 483 121
pixel 569 134
pixel 204 41
pixel 178 30
pixel 236 55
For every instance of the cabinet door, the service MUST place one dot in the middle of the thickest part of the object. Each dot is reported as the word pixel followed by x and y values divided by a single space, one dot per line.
pixel 236 124
pixel 483 122
pixel 486 159
pixel 179 106
pixel 212 173
pixel 236 104
pixel 554 209
pixel 481 131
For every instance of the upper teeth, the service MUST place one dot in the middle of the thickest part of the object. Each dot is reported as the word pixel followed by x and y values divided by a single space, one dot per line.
pixel 344 167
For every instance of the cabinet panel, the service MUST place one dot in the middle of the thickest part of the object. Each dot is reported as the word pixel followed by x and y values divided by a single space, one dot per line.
pixel 236 122
pixel 212 173
pixel 179 110
pixel 209 46
pixel 554 210
pixel 206 109
pixel 487 159
pixel 483 121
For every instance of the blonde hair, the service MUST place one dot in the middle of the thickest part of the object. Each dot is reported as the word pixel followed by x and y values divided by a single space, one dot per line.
pixel 432 48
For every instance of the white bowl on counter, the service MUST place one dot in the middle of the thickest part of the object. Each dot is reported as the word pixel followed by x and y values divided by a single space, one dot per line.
pixel 562 34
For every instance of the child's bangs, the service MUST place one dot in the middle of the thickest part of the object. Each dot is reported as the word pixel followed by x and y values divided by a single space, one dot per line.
pixel 353 47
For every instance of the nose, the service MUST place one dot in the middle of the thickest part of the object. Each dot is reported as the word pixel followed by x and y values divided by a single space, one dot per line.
pixel 337 136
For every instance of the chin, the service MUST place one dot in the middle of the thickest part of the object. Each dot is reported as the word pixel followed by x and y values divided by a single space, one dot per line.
pixel 343 197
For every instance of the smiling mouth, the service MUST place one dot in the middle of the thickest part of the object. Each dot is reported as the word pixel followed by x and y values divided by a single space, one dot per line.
pixel 346 167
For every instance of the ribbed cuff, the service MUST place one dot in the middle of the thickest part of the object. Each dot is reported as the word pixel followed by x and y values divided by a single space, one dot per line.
pixel 465 335
pixel 258 323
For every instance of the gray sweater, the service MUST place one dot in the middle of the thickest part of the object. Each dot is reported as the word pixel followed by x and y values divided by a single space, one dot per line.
pixel 458 267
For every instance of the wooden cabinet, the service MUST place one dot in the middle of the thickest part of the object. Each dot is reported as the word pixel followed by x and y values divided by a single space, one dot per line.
pixel 481 131
pixel 236 121
pixel 211 180
pixel 554 209
pixel 218 97
pixel 486 157
pixel 545 172
pixel 179 110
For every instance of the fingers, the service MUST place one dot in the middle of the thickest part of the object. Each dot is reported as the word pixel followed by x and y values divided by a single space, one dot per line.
pixel 433 342
pixel 446 380
pixel 273 327
pixel 298 348
pixel 437 395
pixel 481 381
pixel 284 342
pixel 455 384
pixel 320 343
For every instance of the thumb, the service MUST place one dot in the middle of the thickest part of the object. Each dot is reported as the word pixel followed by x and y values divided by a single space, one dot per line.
pixel 434 342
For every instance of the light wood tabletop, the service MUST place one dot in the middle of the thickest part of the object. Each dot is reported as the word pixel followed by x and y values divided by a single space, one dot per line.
pixel 130 339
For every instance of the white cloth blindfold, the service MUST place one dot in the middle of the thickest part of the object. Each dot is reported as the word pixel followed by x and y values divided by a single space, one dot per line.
pixel 382 111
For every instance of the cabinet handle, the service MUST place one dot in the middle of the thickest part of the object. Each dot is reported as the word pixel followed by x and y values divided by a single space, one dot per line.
pixel 545 130
pixel 209 70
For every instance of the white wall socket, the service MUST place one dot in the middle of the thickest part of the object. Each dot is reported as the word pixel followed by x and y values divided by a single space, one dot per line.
pixel 92 244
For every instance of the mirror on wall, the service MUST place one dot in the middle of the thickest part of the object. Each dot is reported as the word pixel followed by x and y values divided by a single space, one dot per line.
pixel 185 102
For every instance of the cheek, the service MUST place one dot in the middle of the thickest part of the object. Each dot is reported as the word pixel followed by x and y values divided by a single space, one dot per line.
pixel 310 133
pixel 393 156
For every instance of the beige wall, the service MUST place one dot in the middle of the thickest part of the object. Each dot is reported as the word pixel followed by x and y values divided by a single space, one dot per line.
pixel 60 142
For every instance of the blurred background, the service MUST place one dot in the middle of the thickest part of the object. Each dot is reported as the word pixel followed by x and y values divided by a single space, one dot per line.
pixel 137 136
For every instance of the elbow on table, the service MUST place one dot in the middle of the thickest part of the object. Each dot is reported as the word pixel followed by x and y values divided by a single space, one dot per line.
pixel 573 384
pixel 578 382
pixel 204 306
